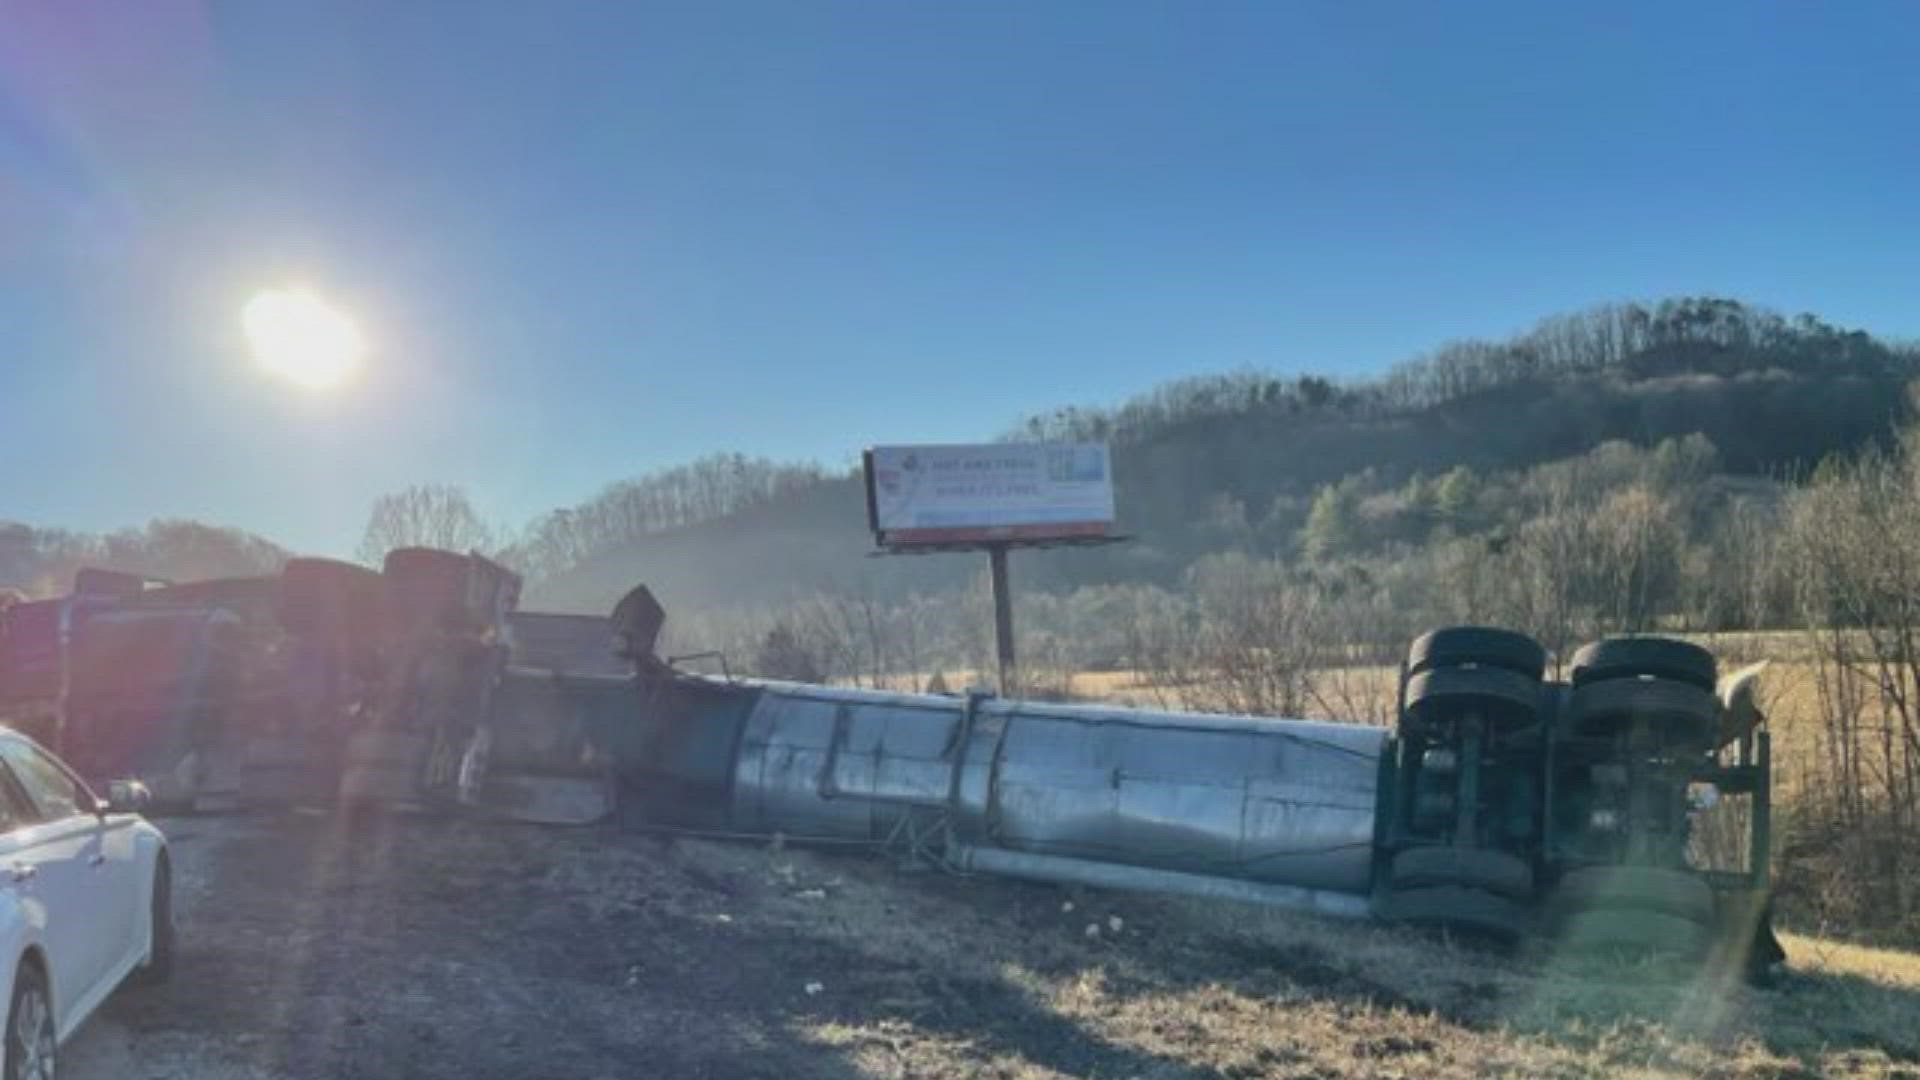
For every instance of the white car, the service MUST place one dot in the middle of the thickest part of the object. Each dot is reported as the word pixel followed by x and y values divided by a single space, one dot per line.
pixel 85 901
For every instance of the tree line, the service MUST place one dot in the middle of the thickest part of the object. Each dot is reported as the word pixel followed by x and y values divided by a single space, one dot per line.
pixel 1635 341
pixel 41 562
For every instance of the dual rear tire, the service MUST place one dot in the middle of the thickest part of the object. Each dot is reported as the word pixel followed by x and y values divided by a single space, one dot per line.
pixel 1490 871
pixel 1667 682
pixel 1484 670
pixel 1645 657
pixel 1461 680
pixel 1636 909
pixel 1664 688
pixel 1477 891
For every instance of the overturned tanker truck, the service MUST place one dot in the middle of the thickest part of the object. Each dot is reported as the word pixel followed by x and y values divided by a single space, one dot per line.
pixel 1624 807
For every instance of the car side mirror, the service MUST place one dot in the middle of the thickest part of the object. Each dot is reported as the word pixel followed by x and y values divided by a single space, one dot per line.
pixel 126 797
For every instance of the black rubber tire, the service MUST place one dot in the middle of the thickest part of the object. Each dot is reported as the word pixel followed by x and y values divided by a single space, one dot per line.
pixel 28 980
pixel 1476 868
pixel 1507 698
pixel 159 967
pixel 1630 930
pixel 1458 908
pixel 1631 657
pixel 1483 646
pixel 1642 888
pixel 1672 706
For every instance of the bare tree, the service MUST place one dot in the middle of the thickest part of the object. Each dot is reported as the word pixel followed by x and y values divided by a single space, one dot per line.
pixel 1635 547
pixel 785 654
pixel 424 515
pixel 1249 644
pixel 1547 561
pixel 1854 535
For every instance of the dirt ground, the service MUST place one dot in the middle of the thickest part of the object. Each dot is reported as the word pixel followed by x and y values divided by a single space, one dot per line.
pixel 419 947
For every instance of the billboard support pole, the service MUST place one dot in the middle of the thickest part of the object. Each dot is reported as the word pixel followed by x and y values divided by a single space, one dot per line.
pixel 1002 617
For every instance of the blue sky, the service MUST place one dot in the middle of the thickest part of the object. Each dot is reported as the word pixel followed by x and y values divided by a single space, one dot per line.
pixel 589 239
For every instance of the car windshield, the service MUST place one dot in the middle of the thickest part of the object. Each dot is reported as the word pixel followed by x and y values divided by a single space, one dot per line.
pixel 944 539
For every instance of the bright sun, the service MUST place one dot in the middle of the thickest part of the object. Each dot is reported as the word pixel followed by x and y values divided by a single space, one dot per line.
pixel 296 334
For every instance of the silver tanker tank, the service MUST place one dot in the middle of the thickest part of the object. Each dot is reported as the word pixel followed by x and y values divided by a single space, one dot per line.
pixel 1279 811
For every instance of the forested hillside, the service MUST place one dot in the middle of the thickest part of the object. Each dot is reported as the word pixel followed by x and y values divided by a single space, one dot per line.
pixel 1238 462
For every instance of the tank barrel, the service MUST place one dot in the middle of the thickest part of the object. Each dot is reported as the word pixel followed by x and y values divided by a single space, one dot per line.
pixel 1276 802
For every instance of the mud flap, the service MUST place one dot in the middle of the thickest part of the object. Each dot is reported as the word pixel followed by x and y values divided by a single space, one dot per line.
pixel 1765 956
pixel 1745 944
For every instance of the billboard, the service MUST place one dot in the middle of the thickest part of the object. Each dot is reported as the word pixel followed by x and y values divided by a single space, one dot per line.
pixel 994 491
